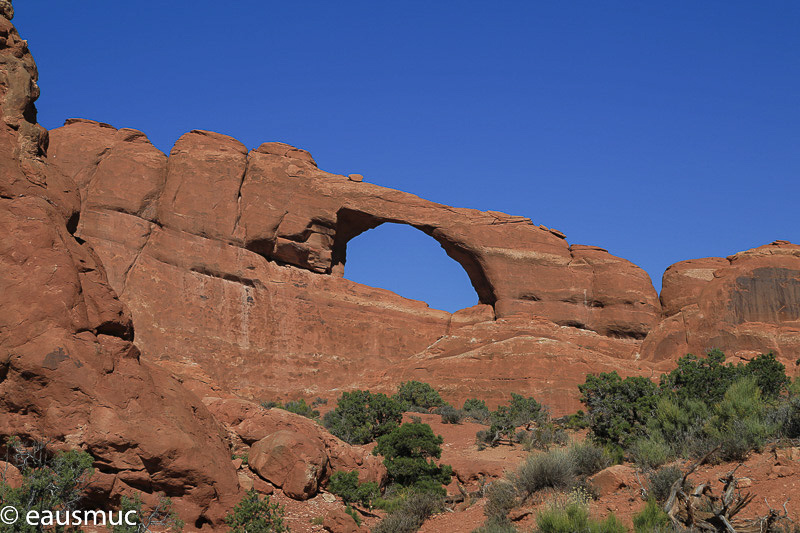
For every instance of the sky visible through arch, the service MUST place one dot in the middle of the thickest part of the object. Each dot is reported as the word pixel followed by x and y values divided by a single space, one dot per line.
pixel 405 260
pixel 659 131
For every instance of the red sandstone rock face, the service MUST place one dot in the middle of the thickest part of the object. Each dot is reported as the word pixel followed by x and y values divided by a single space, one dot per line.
pixel 274 202
pixel 744 305
pixel 69 371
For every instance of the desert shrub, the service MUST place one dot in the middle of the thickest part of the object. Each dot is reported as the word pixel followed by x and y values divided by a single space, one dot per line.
pixel 660 482
pixel 794 388
pixel 577 420
pixel 245 457
pixel 483 438
pixel 524 411
pixel 680 424
pixel 346 486
pixel 160 518
pixel 618 409
pixel 588 458
pixel 741 437
pixel 319 401
pixel 417 396
pixel 409 516
pixel 300 407
pixel 650 452
pixel 254 514
pixel 501 425
pixel 700 378
pixel 542 437
pixel 738 425
pixel 553 469
pixel 769 374
pixel 270 404
pixel 408 453
pixel 520 411
pixel 652 519
pixel 501 497
pixel 785 418
pixel 477 410
pixel 701 404
pixel 361 416
pixel 450 415
pixel 51 481
pixel 573 517
pixel 707 379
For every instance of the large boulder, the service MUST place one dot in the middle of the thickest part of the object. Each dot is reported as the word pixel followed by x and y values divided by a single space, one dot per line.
pixel 292 461
pixel 612 479
pixel 254 424
pixel 338 521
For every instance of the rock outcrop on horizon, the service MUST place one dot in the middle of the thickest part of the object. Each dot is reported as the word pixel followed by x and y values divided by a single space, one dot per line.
pixel 746 304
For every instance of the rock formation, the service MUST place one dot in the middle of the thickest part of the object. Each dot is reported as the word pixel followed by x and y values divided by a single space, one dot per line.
pixel 147 300
pixel 231 263
pixel 744 305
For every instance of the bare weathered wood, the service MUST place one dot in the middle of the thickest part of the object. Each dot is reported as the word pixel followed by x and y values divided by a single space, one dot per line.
pixel 701 510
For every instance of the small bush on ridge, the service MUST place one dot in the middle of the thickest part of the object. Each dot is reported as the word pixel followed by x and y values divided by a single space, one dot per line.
pixel 450 415
pixel 361 416
pixel 256 515
pixel 477 410
pixel 346 485
pixel 408 453
pixel 588 458
pixel 501 498
pixel 573 517
pixel 650 452
pixel 407 518
pixel 417 396
pixel 661 481
pixel 553 469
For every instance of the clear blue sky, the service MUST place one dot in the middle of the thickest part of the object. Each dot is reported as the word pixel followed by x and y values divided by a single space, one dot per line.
pixel 660 131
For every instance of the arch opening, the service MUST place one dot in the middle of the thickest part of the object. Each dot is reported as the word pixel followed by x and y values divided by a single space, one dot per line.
pixel 404 259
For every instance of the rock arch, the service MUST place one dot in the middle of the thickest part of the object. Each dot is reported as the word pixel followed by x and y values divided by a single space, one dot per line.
pixel 274 202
